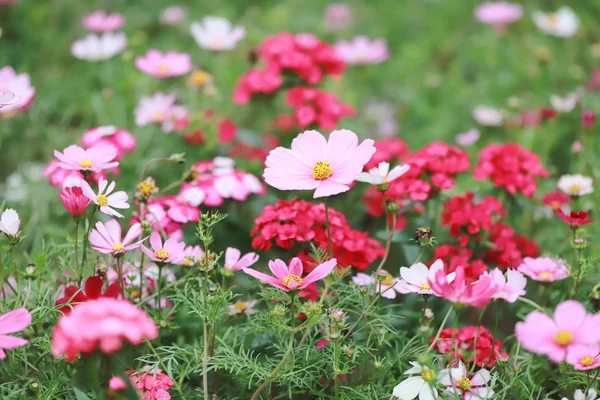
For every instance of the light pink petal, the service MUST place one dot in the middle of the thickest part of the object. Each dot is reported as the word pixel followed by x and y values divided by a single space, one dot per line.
pixel 319 273
pixel 569 315
pixel 481 377
pixel 134 231
pixel 285 171
pixel 247 260
pixel 265 278
pixel 295 267
pixel 279 269
pixel 311 147
pixel 329 187
pixel 14 321
pixel 10 342
pixel 156 241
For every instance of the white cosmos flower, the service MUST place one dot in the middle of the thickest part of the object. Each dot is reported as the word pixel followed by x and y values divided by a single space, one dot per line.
pixel 562 23
pixel 488 116
pixel 382 174
pixel 564 104
pixel 458 382
pixel 99 47
pixel 10 222
pixel 420 385
pixel 576 185
pixel 104 199
pixel 387 287
pixel 416 278
pixel 242 307
pixel 216 33
pixel 580 395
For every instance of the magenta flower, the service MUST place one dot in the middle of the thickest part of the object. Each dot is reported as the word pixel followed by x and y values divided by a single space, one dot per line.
pixel 508 287
pixel 100 21
pixel 11 322
pixel 93 159
pixel 544 269
pixel 164 65
pixel 291 278
pixel 110 135
pixel 171 251
pixel 557 336
pixel 583 357
pixel 315 163
pixel 460 291
pixel 106 238
pixel 74 200
pixel 361 51
pixel 20 85
pixel 153 109
pixel 233 261
pixel 105 199
pixel 498 14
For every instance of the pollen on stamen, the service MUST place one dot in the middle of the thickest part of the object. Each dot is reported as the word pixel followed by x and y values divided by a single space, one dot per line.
pixel 118 247
pixel 162 254
pixel 586 361
pixel 85 164
pixel 322 170
pixel 102 200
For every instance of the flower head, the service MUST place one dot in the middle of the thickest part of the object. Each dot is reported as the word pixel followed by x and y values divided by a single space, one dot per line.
pixel 416 278
pixel 99 48
pixel 172 15
pixel 544 269
pixel 105 199
pixel 92 291
pixel 562 23
pixel 106 238
pixel 584 357
pixel 459 382
pixel 191 255
pixel 382 173
pixel 575 185
pixel 20 86
pixel 217 34
pixel 472 344
pixel 489 116
pixel 315 163
pixel 564 104
pixel 11 322
pixel 104 324
pixel 388 286
pixel 580 395
pixel 101 21
pixel 555 200
pixel 152 109
pixel 499 14
pixel 557 336
pixel 233 261
pixel 164 65
pixel 468 138
pixel 421 383
pixel 508 287
pixel 460 291
pixel 171 251
pixel 74 200
pixel 10 222
pixel 242 307
pixel 361 51
pixel 575 218
pixel 290 278
pixel 110 135
pixel 97 158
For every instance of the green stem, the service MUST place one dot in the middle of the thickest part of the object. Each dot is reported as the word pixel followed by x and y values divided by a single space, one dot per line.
pixel 86 241
pixel 388 242
pixel 476 337
pixel 533 303
pixel 205 323
pixel 328 227
pixel 120 276
pixel 76 245
pixel 336 368
pixel 439 332
pixel 579 270
pixel 159 285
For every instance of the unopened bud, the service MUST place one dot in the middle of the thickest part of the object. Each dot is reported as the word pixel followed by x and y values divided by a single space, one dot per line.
pixel 580 243
pixel 34 387
pixel 30 270
pixel 178 158
pixel 423 236
pixel 383 187
pixel 595 300
pixel 334 335
pixel 382 276
pixel 349 350
pixel 278 310
pixel 427 315
pixel 391 206
pixel 378 364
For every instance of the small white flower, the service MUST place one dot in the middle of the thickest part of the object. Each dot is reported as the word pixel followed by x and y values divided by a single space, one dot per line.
pixel 420 385
pixel 10 222
pixel 468 138
pixel 576 185
pixel 104 199
pixel 388 287
pixel 458 382
pixel 382 174
pixel 580 395
pixel 242 307
pixel 99 48
pixel 216 33
pixel 488 116
pixel 416 278
pixel 562 23
pixel 192 195
pixel 564 104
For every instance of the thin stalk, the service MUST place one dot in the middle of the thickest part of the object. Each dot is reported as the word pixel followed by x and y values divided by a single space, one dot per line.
pixel 579 270
pixel 336 368
pixel 85 242
pixel 476 337
pixel 439 332
pixel 328 227
pixel 120 276
pixel 206 346
pixel 533 303
pixel 76 245
pixel 388 243
pixel 159 285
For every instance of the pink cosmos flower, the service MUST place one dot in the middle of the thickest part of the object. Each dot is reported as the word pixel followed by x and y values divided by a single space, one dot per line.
pixel 508 288
pixel 583 357
pixel 110 135
pixel 7 98
pixel 74 200
pixel 20 85
pixel 191 254
pixel 233 261
pixel 106 238
pixel 104 199
pixel 100 21
pixel 468 138
pixel 172 15
pixel 315 163
pixel 171 252
pixel 153 109
pixel 499 14
pixel 11 322
pixel 458 382
pixel 416 278
pixel 104 324
pixel 544 269
pixel 361 51
pixel 93 159
pixel 171 63
pixel 557 336
pixel 338 16
pixel 388 287
pixel 475 294
pixel 291 278
pixel 10 222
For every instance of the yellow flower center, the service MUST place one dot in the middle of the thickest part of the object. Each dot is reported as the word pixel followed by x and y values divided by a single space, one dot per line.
pixel 586 361
pixel 389 280
pixel 294 278
pixel 425 286
pixel 576 188
pixel 85 164
pixel 427 375
pixel 188 261
pixel 159 116
pixel 161 254
pixel 546 275
pixel 563 338
pixel 118 246
pixel 555 204
pixel 240 306
pixel 464 383
pixel 321 171
pixel 102 200
pixel 163 68
pixel 552 19
pixel 146 188
pixel 200 78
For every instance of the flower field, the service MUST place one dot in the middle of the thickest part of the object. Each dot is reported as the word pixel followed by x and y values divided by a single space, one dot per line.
pixel 299 200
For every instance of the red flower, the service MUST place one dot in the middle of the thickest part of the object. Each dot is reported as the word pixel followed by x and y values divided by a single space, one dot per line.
pixel 255 81
pixel 388 150
pixel 92 291
pixel 460 344
pixel 588 118
pixel 455 257
pixel 509 249
pixel 548 113
pixel 314 106
pixel 464 216
pixel 440 162
pixel 555 199
pixel 227 131
pixel 575 218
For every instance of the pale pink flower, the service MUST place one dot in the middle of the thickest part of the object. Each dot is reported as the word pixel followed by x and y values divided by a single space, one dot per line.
pixel 361 51
pixel 489 116
pixel 508 287
pixel 7 98
pixel 217 33
pixel 58 175
pixel 104 324
pixel 387 287
pixel 191 254
pixel 416 278
pixel 544 269
pixel 106 238
pixel 242 307
pixel 583 357
pixel 93 159
pixel 172 15
pixel 171 251
pixel 74 200
pixel 110 135
pixel 10 222
pixel 557 336
pixel 576 147
pixel 100 21
pixel 564 104
pixel 99 47
pixel 20 86
pixel 105 199
pixel 11 322
pixel 338 16
pixel 290 278
pixel 176 118
pixel 153 109
pixel 191 195
pixel 475 294
pixel 382 174
pixel 499 14
pixel 459 382
pixel 315 163
pixel 233 261
pixel 169 64
pixel 468 138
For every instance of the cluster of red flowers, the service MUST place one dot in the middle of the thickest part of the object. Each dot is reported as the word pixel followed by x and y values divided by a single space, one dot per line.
pixel 226 130
pixel 152 385
pixel 314 106
pixel 90 292
pixel 509 248
pixel 510 166
pixel 297 221
pixel 467 218
pixel 169 214
pixel 388 150
pixel 461 344
pixel 454 257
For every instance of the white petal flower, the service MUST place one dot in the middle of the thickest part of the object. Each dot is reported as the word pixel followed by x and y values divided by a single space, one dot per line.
pixel 488 116
pixel 105 199
pixel 564 104
pixel 10 222
pixel 416 278
pixel 418 385
pixel 99 47
pixel 562 23
pixel 216 33
pixel 382 174
pixel 575 185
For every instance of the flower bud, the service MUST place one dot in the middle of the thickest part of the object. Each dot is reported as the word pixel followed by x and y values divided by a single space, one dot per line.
pixel 382 276
pixel 580 243
pixel 391 206
pixel 423 236
pixel 383 187
pixel 427 315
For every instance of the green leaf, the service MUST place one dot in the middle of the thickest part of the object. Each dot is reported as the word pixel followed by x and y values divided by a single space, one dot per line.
pixel 80 395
